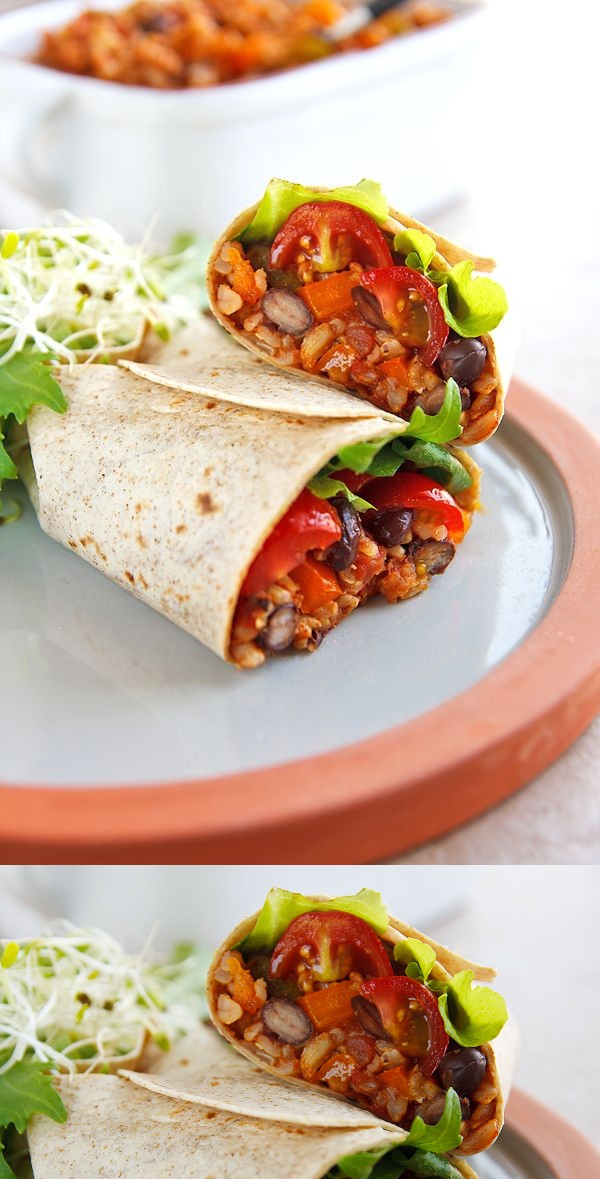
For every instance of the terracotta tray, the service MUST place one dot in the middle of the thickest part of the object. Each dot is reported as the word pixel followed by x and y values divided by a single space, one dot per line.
pixel 125 740
pixel 538 1144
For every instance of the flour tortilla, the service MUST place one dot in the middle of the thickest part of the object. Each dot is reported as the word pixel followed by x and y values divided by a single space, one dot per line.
pixel 115 1129
pixel 172 493
pixel 447 255
pixel 501 1053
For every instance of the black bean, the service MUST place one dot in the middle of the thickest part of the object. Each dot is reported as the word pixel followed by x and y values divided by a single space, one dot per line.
pixel 462 1070
pixel 432 1110
pixel 430 401
pixel 369 308
pixel 390 526
pixel 435 555
pixel 341 554
pixel 280 629
pixel 287 1021
pixel 368 1017
pixel 463 360
pixel 287 311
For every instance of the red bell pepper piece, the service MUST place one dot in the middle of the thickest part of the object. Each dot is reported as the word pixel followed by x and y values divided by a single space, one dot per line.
pixel 310 523
pixel 387 285
pixel 409 489
pixel 390 994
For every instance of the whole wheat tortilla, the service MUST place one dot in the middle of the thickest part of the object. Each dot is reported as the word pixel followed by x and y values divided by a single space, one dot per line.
pixel 170 493
pixel 501 1053
pixel 477 429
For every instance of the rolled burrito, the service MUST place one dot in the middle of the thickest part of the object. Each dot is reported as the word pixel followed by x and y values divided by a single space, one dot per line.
pixel 335 284
pixel 159 1128
pixel 253 529
pixel 337 996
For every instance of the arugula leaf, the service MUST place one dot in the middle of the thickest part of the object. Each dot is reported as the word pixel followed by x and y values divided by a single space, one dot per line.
pixel 325 487
pixel 282 197
pixel 445 1135
pixel 27 380
pixel 419 248
pixel 27 1089
pixel 416 953
pixel 471 1015
pixel 282 907
pixel 5 1171
pixel 443 426
pixel 471 306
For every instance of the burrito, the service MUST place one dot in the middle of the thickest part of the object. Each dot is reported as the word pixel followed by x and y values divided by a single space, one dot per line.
pixel 338 996
pixel 255 529
pixel 335 284
pixel 159 1128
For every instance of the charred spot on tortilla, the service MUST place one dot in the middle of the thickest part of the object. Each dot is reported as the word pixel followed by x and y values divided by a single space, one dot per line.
pixel 181 528
pixel 205 503
pixel 130 577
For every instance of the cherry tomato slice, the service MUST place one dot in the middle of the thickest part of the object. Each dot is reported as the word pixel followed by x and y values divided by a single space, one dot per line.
pixel 337 234
pixel 408 489
pixel 391 997
pixel 333 944
pixel 310 523
pixel 389 284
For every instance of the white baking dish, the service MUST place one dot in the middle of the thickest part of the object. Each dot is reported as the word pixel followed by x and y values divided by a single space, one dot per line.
pixel 195 158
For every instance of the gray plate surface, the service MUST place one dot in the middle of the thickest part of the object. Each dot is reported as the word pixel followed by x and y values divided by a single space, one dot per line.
pixel 100 689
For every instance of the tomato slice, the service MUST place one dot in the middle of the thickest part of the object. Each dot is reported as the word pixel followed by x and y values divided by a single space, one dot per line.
pixel 333 944
pixel 333 234
pixel 408 489
pixel 391 997
pixel 310 523
pixel 390 287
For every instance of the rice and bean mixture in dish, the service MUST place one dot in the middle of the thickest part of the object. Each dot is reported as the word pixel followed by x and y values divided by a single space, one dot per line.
pixel 330 1034
pixel 180 44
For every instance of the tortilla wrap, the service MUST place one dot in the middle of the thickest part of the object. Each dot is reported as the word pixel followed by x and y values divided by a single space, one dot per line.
pixel 115 1129
pixel 500 1054
pixel 172 493
pixel 482 419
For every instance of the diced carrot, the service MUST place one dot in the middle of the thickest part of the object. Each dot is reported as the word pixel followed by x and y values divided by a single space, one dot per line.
pixel 331 296
pixel 337 1072
pixel 331 1006
pixel 318 585
pixel 244 991
pixel 324 12
pixel 396 1078
pixel 243 279
pixel 397 368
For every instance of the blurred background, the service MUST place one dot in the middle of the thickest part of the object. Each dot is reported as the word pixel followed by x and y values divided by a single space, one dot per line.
pixel 537 925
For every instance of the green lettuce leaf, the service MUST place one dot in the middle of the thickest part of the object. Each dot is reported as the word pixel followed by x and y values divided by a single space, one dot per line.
pixel 389 1162
pixel 423 1162
pixel 414 242
pixel 5 1171
pixel 440 464
pixel 362 1164
pixel 325 487
pixel 359 456
pixel 443 426
pixel 416 953
pixel 27 1089
pixel 25 380
pixel 471 306
pixel 471 1015
pixel 282 907
pixel 445 1135
pixel 282 197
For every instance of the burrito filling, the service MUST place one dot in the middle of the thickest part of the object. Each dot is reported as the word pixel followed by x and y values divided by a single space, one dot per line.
pixel 335 1005
pixel 383 528
pixel 337 296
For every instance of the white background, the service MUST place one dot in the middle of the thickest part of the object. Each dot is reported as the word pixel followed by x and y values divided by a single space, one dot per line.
pixel 538 926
